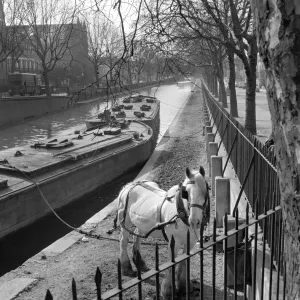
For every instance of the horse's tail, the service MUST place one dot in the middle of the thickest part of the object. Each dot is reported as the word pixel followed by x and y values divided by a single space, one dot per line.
pixel 115 221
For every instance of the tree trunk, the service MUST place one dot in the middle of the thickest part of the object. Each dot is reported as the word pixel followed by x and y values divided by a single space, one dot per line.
pixel 231 84
pixel 215 85
pixel 250 122
pixel 222 90
pixel 47 83
pixel 96 75
pixel 278 30
pixel 129 73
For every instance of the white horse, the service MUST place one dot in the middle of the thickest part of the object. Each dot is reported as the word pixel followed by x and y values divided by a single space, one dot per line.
pixel 144 205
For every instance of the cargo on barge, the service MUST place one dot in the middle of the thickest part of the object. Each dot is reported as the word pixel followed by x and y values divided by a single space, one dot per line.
pixel 64 169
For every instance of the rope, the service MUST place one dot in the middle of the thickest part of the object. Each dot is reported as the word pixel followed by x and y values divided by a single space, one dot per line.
pixel 91 235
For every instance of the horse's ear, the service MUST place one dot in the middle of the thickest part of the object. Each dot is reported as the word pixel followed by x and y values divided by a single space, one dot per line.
pixel 188 172
pixel 202 171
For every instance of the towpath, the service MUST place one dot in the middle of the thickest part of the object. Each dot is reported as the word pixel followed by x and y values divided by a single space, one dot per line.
pixel 263 117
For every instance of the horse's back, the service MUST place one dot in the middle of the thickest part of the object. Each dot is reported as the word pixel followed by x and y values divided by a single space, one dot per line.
pixel 144 202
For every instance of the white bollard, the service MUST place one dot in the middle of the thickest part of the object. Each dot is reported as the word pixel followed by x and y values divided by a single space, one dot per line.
pixel 216 165
pixel 207 123
pixel 209 139
pixel 222 199
pixel 212 150
pixel 208 129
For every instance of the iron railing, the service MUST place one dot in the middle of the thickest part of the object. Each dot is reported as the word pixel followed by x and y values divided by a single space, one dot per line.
pixel 252 162
pixel 254 165
pixel 238 254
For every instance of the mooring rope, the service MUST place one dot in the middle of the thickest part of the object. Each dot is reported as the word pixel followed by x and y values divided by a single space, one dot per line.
pixel 88 234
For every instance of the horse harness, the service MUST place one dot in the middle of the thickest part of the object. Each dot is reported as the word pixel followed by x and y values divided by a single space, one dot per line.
pixel 182 214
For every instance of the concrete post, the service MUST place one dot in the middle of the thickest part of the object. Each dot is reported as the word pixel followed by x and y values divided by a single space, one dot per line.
pixel 209 139
pixel 230 226
pixel 230 253
pixel 216 165
pixel 207 124
pixel 212 150
pixel 208 129
pixel 222 191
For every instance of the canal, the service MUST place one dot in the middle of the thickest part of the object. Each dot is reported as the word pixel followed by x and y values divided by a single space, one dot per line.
pixel 15 249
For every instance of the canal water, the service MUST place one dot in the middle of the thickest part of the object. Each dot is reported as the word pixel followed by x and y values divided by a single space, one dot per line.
pixel 17 248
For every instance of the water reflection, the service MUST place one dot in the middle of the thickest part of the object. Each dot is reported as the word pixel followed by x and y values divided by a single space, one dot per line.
pixel 72 119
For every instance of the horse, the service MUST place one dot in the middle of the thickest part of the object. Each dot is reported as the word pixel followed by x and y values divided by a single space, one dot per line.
pixel 146 207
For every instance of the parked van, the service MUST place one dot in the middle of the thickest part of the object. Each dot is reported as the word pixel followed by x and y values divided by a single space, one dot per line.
pixel 24 83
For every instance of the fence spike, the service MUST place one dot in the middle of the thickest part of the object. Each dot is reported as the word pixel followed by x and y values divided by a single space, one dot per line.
pixel 256 209
pixel 48 295
pixel 188 242
pixel 156 257
pixel 225 223
pixel 119 275
pixel 214 230
pixel 247 213
pixel 237 219
pixel 74 290
pixel 138 265
pixel 98 281
pixel 172 246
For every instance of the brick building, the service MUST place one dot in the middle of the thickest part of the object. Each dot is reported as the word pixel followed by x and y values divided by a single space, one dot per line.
pixel 73 69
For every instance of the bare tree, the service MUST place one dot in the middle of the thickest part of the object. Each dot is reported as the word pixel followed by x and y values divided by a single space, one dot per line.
pixel 100 31
pixel 11 17
pixel 242 42
pixel 48 27
pixel 278 30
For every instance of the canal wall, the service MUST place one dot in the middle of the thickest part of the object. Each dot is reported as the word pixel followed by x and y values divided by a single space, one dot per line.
pixel 18 109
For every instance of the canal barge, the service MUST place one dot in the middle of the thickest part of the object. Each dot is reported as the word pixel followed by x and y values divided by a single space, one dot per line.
pixel 54 173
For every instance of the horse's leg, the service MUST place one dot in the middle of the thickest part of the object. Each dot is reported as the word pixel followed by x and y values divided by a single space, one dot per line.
pixel 124 259
pixel 136 247
pixel 181 275
pixel 166 286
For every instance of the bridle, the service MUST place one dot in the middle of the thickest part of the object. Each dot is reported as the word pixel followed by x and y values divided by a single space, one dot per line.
pixel 203 207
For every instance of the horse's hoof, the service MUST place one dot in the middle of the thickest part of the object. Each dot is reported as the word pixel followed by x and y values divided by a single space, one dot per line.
pixel 129 273
pixel 127 269
pixel 144 269
pixel 182 287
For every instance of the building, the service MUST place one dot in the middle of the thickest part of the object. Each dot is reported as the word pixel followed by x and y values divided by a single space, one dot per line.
pixel 72 69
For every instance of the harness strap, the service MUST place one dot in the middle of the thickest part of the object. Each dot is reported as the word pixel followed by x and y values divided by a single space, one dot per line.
pixel 181 211
pixel 160 220
pixel 199 206
pixel 158 226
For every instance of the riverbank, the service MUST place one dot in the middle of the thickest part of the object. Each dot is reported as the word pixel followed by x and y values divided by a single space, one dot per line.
pixel 76 256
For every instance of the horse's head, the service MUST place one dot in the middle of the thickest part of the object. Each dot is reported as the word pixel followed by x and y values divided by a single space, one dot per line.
pixel 198 195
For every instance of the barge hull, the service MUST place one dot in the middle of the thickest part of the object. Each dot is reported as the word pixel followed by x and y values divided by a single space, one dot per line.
pixel 21 209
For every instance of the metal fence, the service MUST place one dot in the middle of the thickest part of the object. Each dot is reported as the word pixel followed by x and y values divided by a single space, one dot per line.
pixel 238 254
pixel 256 171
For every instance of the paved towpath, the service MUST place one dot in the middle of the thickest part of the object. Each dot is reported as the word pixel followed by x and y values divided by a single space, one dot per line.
pixel 263 117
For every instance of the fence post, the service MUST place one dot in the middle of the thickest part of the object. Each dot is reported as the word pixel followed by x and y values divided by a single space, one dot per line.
pixel 222 191
pixel 207 123
pixel 212 150
pixel 216 170
pixel 209 139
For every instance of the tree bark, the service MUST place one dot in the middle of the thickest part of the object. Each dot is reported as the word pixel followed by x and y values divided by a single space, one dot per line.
pixel 47 83
pixel 231 83
pixel 250 122
pixel 278 29
pixel 96 75
pixel 222 90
